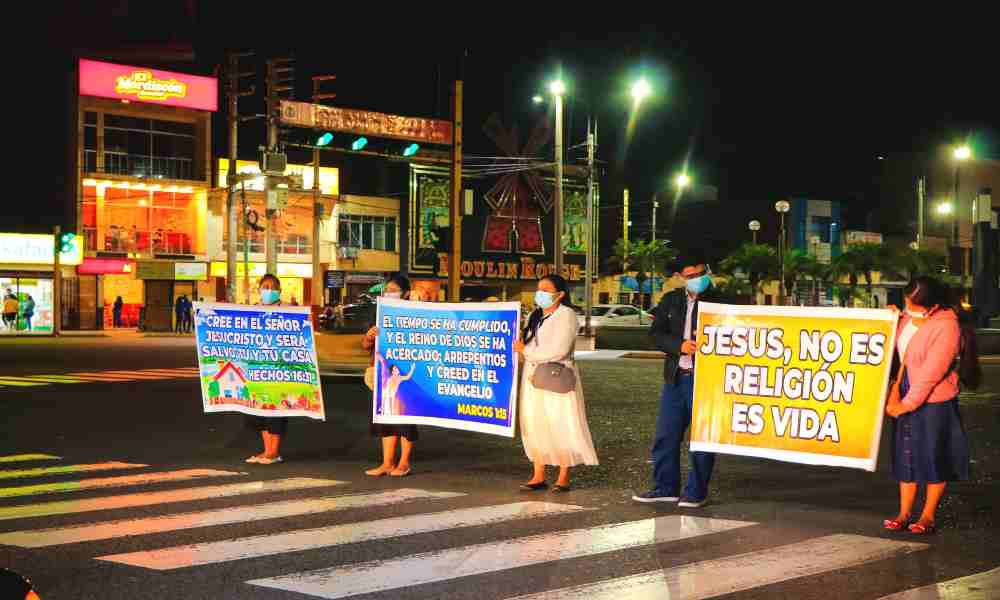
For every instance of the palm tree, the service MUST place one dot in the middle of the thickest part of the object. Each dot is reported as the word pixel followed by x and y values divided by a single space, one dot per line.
pixel 845 265
pixel 647 259
pixel 758 261
pixel 800 265
pixel 908 263
pixel 869 258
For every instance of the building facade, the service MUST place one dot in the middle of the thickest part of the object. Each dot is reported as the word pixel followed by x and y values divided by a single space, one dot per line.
pixel 142 167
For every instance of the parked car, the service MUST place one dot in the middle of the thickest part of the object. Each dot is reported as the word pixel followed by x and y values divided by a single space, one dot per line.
pixel 619 315
pixel 357 317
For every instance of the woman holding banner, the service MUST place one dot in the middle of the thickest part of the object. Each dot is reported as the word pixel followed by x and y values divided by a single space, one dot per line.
pixel 272 429
pixel 398 286
pixel 929 442
pixel 554 427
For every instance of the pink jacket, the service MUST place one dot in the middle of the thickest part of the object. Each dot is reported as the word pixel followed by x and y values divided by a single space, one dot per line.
pixel 930 356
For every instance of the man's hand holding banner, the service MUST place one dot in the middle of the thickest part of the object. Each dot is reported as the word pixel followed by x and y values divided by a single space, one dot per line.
pixel 803 385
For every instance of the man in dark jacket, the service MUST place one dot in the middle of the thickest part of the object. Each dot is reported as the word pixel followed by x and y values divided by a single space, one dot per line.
pixel 674 332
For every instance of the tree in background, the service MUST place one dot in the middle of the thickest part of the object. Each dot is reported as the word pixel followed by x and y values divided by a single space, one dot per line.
pixel 647 259
pixel 759 262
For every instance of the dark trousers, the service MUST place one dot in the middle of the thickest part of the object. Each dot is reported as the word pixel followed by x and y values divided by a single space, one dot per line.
pixel 117 316
pixel 676 400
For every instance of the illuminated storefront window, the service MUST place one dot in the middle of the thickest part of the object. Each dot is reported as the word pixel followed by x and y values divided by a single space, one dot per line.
pixel 27 306
pixel 139 218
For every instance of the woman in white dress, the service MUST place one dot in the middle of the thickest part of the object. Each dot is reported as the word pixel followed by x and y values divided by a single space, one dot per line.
pixel 554 427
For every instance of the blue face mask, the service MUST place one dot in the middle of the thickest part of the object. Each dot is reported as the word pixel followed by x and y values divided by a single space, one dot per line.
pixel 544 299
pixel 699 284
pixel 270 296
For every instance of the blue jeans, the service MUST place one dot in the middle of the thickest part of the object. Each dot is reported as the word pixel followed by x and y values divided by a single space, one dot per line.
pixel 675 416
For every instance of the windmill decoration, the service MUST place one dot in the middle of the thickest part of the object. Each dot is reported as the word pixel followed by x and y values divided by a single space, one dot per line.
pixel 518 199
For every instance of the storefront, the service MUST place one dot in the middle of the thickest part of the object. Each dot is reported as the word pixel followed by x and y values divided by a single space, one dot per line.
pixel 164 282
pixel 296 282
pixel 26 282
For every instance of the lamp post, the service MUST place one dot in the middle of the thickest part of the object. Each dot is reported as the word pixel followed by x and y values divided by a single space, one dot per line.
pixel 558 89
pixel 945 209
pixel 960 154
pixel 754 227
pixel 782 206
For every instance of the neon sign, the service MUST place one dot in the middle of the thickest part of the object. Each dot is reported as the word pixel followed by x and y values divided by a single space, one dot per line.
pixel 144 86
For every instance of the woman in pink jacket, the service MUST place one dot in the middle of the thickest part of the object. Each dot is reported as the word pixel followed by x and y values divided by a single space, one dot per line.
pixel 929 443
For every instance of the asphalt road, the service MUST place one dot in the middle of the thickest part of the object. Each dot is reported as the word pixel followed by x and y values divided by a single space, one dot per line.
pixel 169 510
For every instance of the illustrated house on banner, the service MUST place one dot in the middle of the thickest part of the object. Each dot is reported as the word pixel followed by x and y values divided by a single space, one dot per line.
pixel 231 381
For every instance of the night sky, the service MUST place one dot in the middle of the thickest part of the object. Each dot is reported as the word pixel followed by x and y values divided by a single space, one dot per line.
pixel 763 106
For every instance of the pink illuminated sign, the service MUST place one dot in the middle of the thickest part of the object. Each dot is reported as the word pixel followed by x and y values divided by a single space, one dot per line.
pixel 104 266
pixel 141 84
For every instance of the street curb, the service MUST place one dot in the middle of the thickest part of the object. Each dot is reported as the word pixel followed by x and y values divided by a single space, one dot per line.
pixel 648 355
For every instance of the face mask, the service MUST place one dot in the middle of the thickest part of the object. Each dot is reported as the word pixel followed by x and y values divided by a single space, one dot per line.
pixel 544 299
pixel 270 296
pixel 699 284
pixel 396 295
pixel 915 315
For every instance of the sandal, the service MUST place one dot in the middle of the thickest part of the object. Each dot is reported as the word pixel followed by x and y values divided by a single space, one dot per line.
pixel 922 529
pixel 378 471
pixel 895 525
pixel 398 473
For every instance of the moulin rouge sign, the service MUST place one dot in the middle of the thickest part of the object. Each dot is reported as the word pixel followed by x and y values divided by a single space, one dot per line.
pixel 141 84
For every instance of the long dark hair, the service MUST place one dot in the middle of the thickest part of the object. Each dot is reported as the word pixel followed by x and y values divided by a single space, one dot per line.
pixel 538 315
pixel 402 281
pixel 930 292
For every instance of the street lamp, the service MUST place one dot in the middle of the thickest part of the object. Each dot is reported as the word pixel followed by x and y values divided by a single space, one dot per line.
pixel 537 99
pixel 682 181
pixel 754 227
pixel 640 90
pixel 945 208
pixel 782 206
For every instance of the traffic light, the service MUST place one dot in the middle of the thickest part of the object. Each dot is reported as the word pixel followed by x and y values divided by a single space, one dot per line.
pixel 324 139
pixel 359 143
pixel 67 242
pixel 411 149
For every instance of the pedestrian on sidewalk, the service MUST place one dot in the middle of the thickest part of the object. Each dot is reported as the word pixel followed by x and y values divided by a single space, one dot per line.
pixel 116 311
pixel 553 418
pixel 10 306
pixel 674 332
pixel 179 314
pixel 28 309
pixel 404 436
pixel 188 314
pixel 929 442
pixel 272 429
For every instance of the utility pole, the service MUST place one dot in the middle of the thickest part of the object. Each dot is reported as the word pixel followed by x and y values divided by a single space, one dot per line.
pixel 588 291
pixel 558 221
pixel 280 75
pixel 317 271
pixel 56 281
pixel 233 95
pixel 625 222
pixel 921 192
pixel 653 226
pixel 246 245
pixel 454 212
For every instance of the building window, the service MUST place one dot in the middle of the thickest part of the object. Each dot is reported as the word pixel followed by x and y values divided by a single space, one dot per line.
pixel 138 219
pixel 146 148
pixel 369 233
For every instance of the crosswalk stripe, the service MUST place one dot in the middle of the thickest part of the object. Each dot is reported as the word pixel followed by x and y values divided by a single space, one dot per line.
pixel 981 586
pixel 324 537
pixel 441 565
pixel 51 378
pixel 62 469
pixel 106 482
pixel 183 371
pixel 67 507
pixel 132 375
pixel 20 383
pixel 716 577
pixel 26 457
pixel 101 377
pixel 260 512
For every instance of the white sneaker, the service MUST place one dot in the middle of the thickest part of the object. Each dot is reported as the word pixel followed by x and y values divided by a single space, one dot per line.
pixel 689 503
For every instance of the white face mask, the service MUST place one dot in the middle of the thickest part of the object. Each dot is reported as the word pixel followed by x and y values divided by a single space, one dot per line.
pixel 396 295
pixel 915 315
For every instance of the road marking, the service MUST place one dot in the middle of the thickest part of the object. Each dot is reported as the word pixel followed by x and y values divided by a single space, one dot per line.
pixel 66 507
pixel 19 383
pixel 106 482
pixel 981 586
pixel 442 565
pixel 720 576
pixel 289 508
pixel 27 457
pixel 62 469
pixel 50 379
pixel 182 371
pixel 87 378
pixel 325 537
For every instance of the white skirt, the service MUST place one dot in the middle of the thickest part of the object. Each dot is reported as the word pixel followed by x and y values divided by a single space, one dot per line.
pixel 554 427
